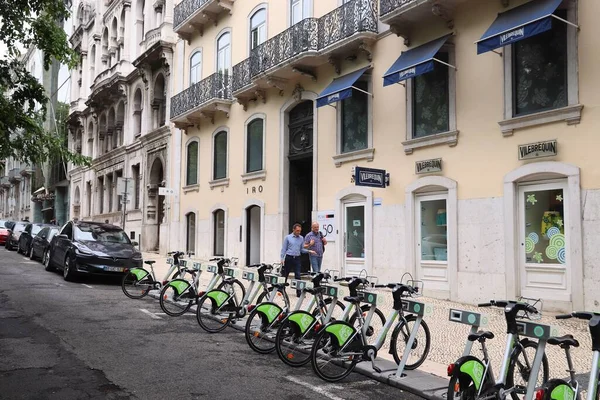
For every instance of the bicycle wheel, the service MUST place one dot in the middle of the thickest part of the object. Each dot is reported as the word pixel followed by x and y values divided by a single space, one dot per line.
pixel 375 326
pixel 234 287
pixel 519 367
pixel 420 347
pixel 174 304
pixel 211 318
pixel 338 312
pixel 293 347
pixel 456 392
pixel 135 288
pixel 259 333
pixel 281 297
pixel 327 362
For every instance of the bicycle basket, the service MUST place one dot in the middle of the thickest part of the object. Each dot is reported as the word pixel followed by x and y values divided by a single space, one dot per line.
pixel 537 303
pixel 418 285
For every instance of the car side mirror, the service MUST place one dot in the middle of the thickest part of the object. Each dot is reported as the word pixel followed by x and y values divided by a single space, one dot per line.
pixel 134 243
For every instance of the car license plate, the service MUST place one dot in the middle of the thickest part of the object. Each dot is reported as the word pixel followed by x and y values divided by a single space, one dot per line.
pixel 113 269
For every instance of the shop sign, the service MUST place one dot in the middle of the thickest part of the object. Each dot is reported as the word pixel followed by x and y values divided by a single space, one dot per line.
pixel 371 177
pixel 537 150
pixel 427 166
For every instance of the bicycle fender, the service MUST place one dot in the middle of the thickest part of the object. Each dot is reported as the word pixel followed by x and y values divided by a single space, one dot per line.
pixel 303 319
pixel 180 285
pixel 140 273
pixel 469 369
pixel 269 310
pixel 217 297
pixel 558 389
pixel 341 330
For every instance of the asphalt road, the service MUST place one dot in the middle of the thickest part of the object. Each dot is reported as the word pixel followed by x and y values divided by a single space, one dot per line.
pixel 86 340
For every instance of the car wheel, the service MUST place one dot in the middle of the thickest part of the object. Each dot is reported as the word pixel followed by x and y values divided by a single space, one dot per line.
pixel 31 255
pixel 68 274
pixel 47 262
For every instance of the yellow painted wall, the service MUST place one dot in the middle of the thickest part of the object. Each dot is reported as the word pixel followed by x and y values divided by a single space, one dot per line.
pixel 478 163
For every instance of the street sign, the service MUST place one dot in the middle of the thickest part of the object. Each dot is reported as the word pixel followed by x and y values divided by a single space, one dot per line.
pixel 121 186
pixel 371 177
pixel 162 191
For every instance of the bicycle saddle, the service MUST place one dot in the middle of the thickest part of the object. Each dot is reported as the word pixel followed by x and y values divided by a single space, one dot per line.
pixel 564 341
pixel 481 336
pixel 149 262
pixel 316 290
pixel 352 299
pixel 281 285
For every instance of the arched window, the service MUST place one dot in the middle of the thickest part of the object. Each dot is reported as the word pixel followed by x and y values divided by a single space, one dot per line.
pixel 195 67
pixel 219 232
pixel 258 28
pixel 220 156
pixel 190 225
pixel 138 108
pixel 254 145
pixel 224 53
pixel 192 164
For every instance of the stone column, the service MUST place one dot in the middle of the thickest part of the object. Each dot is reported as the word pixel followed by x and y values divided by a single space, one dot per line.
pixel 126 31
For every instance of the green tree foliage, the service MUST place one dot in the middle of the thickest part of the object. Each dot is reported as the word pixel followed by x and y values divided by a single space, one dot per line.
pixel 23 100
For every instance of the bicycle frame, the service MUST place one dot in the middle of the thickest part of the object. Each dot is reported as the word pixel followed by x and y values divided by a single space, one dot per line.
pixel 594 376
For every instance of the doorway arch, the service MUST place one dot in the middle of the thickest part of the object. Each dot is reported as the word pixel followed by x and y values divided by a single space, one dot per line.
pixel 253 227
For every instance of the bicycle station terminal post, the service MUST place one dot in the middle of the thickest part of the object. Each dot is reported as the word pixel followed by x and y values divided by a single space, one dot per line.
pixel 419 310
pixel 475 320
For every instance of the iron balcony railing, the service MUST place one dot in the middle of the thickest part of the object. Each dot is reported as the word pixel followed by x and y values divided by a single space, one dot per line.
pixel 387 6
pixel 184 9
pixel 308 35
pixel 299 38
pixel 216 86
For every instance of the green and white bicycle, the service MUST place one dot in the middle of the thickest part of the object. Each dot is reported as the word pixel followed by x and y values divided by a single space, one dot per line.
pixel 559 389
pixel 341 345
pixel 178 296
pixel 138 282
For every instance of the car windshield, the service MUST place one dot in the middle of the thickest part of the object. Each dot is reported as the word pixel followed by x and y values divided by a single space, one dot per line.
pixel 94 233
pixel 35 229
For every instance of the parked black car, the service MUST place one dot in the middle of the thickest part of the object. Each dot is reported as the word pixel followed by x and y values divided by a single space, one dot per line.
pixel 92 248
pixel 14 233
pixel 41 241
pixel 26 237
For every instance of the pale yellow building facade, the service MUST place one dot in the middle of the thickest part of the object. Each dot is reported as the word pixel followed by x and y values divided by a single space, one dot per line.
pixel 494 187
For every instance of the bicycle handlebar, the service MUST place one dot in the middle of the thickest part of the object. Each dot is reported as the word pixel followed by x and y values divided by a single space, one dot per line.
pixel 585 315
pixel 503 303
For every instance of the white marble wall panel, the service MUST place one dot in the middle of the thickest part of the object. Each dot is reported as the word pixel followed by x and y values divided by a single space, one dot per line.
pixel 591 248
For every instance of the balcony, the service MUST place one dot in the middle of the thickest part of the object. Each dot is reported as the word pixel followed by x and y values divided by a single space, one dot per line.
pixel 191 15
pixel 404 15
pixel 58 175
pixel 202 101
pixel 26 170
pixel 4 182
pixel 14 176
pixel 300 49
pixel 158 45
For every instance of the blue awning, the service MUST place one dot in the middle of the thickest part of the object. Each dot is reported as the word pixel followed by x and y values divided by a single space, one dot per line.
pixel 517 24
pixel 414 62
pixel 340 88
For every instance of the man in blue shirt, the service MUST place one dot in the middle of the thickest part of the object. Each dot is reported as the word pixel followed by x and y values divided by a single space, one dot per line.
pixel 293 246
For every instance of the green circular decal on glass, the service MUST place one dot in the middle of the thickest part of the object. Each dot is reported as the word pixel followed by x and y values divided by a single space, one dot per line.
pixel 538 331
pixel 417 308
pixel 370 298
pixel 472 319
pixel 332 291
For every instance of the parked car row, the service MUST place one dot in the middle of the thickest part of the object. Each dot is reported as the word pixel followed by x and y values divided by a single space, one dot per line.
pixel 76 248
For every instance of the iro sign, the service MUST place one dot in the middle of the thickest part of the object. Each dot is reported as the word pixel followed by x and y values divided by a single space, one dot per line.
pixel 537 150
pixel 427 166
pixel 371 177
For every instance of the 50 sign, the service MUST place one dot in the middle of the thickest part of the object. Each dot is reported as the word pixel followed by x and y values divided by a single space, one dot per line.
pixel 327 225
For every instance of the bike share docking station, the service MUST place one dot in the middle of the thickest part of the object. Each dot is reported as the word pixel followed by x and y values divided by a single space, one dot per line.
pixel 474 319
pixel 419 310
